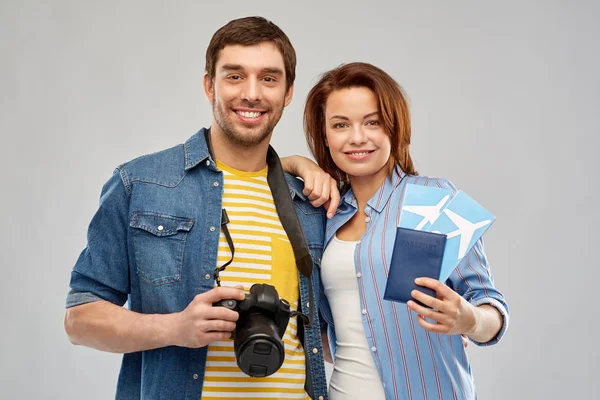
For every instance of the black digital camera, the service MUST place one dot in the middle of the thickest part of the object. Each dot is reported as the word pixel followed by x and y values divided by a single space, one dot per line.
pixel 258 335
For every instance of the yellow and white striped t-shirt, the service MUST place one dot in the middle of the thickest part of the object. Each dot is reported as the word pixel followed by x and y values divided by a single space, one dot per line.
pixel 260 243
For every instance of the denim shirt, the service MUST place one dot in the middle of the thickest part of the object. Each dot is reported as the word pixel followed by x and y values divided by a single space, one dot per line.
pixel 153 243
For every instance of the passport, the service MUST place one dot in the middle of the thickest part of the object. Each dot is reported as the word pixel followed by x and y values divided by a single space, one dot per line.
pixel 416 254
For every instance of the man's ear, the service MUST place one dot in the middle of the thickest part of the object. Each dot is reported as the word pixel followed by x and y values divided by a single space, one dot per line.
pixel 288 96
pixel 209 88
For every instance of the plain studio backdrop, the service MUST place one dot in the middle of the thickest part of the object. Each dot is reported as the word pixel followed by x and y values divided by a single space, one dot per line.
pixel 504 99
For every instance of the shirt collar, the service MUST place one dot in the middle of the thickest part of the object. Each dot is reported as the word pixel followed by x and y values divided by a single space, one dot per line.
pixel 296 186
pixel 196 148
pixel 383 194
pixel 199 149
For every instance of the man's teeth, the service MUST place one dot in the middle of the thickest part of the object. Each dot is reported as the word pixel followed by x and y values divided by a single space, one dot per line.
pixel 248 114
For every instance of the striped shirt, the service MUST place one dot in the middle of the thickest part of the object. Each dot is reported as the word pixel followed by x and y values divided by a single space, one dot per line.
pixel 260 243
pixel 412 362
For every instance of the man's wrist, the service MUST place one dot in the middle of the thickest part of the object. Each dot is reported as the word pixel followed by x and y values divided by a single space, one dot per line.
pixel 166 328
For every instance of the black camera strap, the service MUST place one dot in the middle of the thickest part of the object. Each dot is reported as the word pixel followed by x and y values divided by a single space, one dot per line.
pixel 224 222
pixel 289 219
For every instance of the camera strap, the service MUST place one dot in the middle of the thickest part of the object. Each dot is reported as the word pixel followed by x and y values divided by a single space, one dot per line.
pixel 289 219
pixel 224 222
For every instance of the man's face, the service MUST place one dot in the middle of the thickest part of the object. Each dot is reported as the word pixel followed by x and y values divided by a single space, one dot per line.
pixel 248 92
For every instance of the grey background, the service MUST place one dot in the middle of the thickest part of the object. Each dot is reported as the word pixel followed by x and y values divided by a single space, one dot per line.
pixel 504 98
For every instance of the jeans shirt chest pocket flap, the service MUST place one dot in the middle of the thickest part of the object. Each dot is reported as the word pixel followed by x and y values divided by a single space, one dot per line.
pixel 159 245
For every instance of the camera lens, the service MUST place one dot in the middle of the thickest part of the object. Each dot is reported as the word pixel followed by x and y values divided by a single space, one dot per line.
pixel 259 350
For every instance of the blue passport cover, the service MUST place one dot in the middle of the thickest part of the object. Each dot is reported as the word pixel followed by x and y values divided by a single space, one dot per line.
pixel 416 254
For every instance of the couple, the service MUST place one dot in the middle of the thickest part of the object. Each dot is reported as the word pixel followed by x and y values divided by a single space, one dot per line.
pixel 159 235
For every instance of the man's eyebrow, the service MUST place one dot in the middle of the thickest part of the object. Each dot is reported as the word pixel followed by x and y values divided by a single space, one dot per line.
pixel 238 67
pixel 232 67
pixel 273 70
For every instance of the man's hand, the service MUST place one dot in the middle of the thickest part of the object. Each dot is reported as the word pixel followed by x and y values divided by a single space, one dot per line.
pixel 320 188
pixel 453 315
pixel 201 323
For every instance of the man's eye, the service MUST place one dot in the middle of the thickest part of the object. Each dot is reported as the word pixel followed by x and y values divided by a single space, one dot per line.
pixel 269 79
pixel 235 77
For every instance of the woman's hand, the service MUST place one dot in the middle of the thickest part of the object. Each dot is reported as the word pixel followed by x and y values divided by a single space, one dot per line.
pixel 320 188
pixel 451 313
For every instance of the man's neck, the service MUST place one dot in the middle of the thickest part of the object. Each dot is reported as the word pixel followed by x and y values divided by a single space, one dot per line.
pixel 242 158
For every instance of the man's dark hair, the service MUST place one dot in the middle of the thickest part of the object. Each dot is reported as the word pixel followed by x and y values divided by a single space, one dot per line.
pixel 249 31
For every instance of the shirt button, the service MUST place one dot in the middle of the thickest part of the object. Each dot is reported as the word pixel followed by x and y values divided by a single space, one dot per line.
pixel 368 219
pixel 207 276
pixel 207 162
pixel 212 228
pixel 373 349
pixel 315 350
pixel 195 376
pixel 307 304
pixel 358 275
pixel 215 184
pixel 364 311
pixel 160 227
pixel 320 397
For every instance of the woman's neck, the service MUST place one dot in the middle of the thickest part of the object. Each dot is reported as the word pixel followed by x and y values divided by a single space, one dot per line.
pixel 365 187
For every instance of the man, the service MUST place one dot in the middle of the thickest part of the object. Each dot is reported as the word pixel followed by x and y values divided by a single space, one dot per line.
pixel 159 236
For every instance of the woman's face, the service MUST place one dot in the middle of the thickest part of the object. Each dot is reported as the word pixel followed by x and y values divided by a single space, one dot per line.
pixel 355 135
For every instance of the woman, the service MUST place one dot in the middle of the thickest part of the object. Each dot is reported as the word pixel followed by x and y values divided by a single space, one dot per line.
pixel 357 125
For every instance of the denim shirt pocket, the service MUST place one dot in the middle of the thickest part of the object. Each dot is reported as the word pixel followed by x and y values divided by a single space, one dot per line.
pixel 159 246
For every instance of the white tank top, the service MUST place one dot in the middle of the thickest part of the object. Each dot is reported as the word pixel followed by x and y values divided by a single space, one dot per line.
pixel 354 373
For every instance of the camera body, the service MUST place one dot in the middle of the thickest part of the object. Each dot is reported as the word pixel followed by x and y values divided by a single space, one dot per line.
pixel 258 335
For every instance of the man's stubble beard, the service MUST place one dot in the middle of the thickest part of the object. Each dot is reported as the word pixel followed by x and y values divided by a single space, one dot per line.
pixel 233 136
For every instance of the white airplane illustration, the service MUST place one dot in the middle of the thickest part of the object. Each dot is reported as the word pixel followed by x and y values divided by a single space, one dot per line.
pixel 429 213
pixel 466 229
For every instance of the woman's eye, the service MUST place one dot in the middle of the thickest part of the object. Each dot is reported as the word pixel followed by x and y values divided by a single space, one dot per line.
pixel 339 125
pixel 373 123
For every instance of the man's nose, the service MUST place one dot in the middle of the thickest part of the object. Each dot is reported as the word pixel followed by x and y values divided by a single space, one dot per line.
pixel 251 90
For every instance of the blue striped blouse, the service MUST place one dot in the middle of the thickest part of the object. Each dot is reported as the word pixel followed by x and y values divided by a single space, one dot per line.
pixel 412 362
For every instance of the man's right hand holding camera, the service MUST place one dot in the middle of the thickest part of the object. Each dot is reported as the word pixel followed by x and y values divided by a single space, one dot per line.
pixel 201 323
pixel 108 327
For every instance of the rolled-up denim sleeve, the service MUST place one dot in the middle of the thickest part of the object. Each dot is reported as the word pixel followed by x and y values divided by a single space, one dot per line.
pixel 473 280
pixel 102 269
